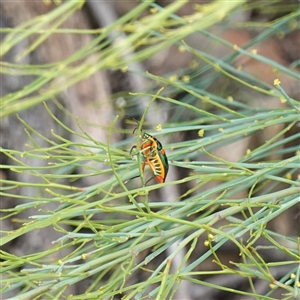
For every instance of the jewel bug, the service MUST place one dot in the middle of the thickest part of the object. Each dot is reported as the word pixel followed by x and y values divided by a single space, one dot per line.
pixel 154 155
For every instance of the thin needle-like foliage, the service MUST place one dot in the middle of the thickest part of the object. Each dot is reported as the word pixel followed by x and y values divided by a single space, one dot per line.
pixel 132 234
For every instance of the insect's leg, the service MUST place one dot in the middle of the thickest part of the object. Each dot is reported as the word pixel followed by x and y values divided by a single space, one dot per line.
pixel 149 180
pixel 142 151
pixel 137 175
pixel 143 167
pixel 131 178
pixel 131 150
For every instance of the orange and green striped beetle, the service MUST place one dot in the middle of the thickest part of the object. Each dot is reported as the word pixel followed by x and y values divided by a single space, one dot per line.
pixel 154 155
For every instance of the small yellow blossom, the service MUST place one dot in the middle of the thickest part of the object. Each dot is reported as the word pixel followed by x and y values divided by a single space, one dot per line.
pixel 181 49
pixel 221 129
pixel 158 127
pixel 282 100
pixel 288 176
pixel 272 286
pixel 276 82
pixel 124 69
pixel 173 77
pixel 153 10
pixel 235 47
pixel 206 243
pixel 248 151
pixel 185 78
pixel 230 98
pixel 201 133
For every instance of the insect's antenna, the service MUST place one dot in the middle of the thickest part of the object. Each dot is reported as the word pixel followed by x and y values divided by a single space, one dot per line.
pixel 132 119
